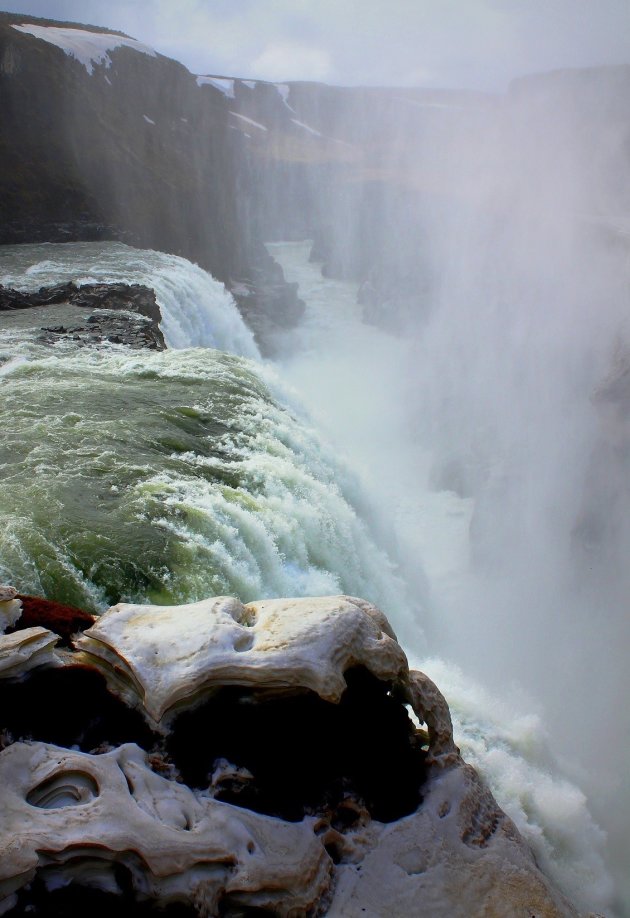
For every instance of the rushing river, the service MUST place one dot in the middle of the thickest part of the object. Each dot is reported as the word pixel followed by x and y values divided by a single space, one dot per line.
pixel 202 470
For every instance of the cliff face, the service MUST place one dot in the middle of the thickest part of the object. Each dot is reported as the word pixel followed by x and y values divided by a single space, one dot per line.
pixel 395 185
pixel 126 144
pixel 131 150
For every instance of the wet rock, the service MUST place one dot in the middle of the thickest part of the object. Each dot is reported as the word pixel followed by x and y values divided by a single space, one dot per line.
pixel 114 811
pixel 138 328
pixel 266 301
pixel 279 644
pixel 26 650
pixel 10 607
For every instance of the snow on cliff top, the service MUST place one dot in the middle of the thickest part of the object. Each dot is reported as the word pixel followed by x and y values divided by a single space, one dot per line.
pixel 223 84
pixel 88 48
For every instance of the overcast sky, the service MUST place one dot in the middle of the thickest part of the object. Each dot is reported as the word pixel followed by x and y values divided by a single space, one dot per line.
pixel 474 44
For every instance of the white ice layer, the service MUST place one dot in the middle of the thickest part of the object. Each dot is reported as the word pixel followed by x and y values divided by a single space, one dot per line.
pixel 458 854
pixel 10 607
pixel 176 845
pixel 24 650
pixel 89 48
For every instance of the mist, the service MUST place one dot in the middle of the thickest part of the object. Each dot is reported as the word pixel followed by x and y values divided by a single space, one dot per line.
pixel 486 398
pixel 466 344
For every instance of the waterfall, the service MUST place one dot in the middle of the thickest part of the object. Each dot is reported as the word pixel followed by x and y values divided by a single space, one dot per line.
pixel 167 477
pixel 197 310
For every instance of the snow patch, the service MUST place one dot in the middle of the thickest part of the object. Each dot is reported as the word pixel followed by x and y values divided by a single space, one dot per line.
pixel 255 124
pixel 283 92
pixel 223 84
pixel 89 48
pixel 251 84
pixel 306 127
pixel 148 120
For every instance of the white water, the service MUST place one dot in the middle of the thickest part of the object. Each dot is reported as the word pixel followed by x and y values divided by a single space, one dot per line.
pixel 197 310
pixel 265 509
pixel 292 525
pixel 357 381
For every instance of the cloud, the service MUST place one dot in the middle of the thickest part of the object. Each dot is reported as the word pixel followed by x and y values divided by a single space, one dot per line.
pixel 283 60
pixel 477 44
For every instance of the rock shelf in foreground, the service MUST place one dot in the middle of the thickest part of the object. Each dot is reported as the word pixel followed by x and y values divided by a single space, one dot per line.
pixel 228 759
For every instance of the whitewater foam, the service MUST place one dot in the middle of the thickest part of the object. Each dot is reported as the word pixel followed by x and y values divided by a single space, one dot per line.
pixel 171 476
pixel 197 310
pixel 364 403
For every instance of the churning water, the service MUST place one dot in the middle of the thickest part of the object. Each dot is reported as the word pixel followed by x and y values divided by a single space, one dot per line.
pixel 171 476
pixel 361 384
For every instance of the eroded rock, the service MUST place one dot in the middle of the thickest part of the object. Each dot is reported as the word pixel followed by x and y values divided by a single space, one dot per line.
pixel 244 759
pixel 74 817
pixel 25 650
pixel 165 657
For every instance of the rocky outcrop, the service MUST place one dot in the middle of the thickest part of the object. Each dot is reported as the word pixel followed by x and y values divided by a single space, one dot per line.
pixel 122 313
pixel 126 149
pixel 230 759
pixel 116 142
pixel 266 301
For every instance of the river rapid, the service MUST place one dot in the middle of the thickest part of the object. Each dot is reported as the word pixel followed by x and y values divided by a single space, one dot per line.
pixel 167 477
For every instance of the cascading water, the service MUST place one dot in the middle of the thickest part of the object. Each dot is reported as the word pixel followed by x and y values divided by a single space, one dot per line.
pixel 170 476
pixel 197 311
pixel 167 476
pixel 361 384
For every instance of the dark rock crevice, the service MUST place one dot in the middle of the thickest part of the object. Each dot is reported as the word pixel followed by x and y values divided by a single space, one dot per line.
pixel 282 753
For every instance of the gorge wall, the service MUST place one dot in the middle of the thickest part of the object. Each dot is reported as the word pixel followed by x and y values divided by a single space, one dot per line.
pixel 129 145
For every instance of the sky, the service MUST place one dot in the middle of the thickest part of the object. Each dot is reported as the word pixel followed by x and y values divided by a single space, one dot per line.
pixel 468 44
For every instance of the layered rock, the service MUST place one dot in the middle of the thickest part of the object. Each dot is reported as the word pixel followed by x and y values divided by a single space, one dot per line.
pixel 10 607
pixel 277 772
pixel 122 313
pixel 101 138
pixel 122 145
